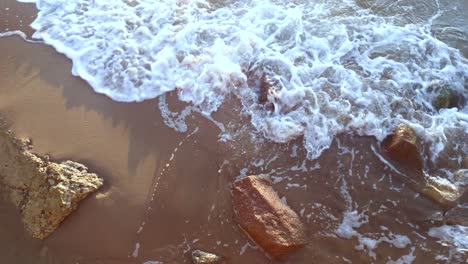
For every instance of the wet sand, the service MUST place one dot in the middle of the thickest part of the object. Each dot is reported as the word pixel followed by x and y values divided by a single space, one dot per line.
pixel 131 148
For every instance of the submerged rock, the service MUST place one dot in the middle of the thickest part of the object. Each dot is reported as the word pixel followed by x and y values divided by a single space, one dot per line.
pixel 402 146
pixel 45 192
pixel 442 191
pixel 261 214
pixel 201 257
pixel 446 97
pixel 457 215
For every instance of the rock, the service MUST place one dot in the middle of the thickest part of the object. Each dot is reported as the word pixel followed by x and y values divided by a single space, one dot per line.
pixel 269 89
pixel 457 215
pixel 445 97
pixel 201 257
pixel 261 214
pixel 402 146
pixel 442 191
pixel 45 192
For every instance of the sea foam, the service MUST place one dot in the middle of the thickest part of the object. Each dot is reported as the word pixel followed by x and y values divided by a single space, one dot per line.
pixel 340 67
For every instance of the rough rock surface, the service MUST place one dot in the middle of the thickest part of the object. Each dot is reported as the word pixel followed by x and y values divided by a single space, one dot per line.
pixel 45 192
pixel 442 191
pixel 402 146
pixel 201 257
pixel 261 214
pixel 457 215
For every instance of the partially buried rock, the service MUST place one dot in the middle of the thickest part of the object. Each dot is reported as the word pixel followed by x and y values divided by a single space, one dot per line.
pixel 457 215
pixel 45 192
pixel 442 191
pixel 201 257
pixel 262 215
pixel 402 146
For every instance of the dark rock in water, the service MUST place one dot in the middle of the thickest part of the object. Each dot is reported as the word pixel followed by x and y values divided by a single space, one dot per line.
pixel 261 214
pixel 201 257
pixel 446 97
pixel 402 146
pixel 268 93
pixel 457 215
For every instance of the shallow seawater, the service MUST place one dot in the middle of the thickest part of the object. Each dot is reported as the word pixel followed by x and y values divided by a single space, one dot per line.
pixel 342 74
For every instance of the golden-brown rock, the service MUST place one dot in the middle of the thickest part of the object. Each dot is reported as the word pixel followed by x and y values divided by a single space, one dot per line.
pixel 261 214
pixel 45 192
pixel 442 191
pixel 402 146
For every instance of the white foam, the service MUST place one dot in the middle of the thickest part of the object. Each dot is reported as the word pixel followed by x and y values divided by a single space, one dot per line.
pixel 455 236
pixel 341 68
pixel 18 33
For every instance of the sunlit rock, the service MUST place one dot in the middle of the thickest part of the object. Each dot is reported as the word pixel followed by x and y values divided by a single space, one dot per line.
pixel 402 146
pixel 45 192
pixel 261 214
pixel 442 191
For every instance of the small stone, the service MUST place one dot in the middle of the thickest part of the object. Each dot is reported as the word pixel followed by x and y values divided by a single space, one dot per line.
pixel 201 257
pixel 265 218
pixel 457 215
pixel 402 146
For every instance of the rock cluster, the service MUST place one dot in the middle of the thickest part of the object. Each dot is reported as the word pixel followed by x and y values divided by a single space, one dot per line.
pixel 45 192
pixel 402 146
pixel 265 218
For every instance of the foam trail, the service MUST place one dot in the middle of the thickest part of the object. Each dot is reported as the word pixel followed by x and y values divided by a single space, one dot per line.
pixel 19 33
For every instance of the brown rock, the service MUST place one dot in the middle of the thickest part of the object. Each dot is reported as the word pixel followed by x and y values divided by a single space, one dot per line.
pixel 261 214
pixel 402 146
pixel 201 257
pixel 45 192
pixel 457 215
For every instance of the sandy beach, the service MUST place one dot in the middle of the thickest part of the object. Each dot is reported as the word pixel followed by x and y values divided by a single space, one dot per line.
pixel 167 193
